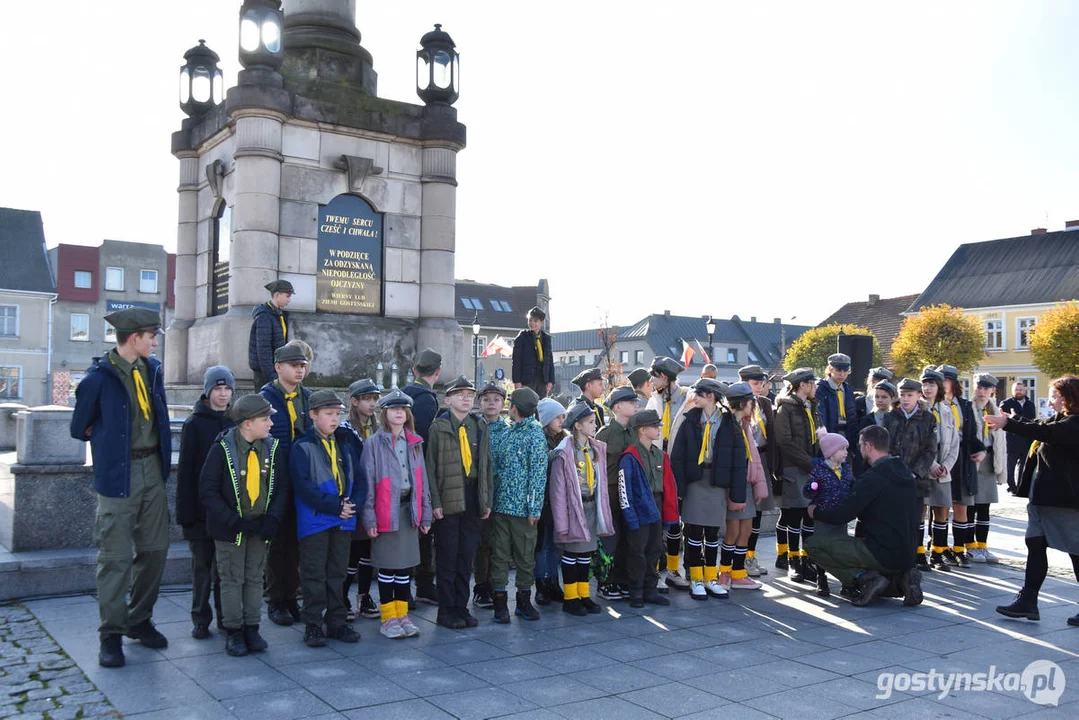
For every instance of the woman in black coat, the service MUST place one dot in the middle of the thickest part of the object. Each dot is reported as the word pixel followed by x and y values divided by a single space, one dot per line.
pixel 1051 482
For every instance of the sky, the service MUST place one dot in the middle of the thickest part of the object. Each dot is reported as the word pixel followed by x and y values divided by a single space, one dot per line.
pixel 762 159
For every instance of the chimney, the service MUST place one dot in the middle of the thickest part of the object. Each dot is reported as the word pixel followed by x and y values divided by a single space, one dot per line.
pixel 873 300
pixel 753 318
pixel 1038 231
pixel 666 313
pixel 1071 225
pixel 777 321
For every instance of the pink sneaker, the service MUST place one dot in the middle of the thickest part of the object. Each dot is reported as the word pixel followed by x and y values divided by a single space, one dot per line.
pixel 746 583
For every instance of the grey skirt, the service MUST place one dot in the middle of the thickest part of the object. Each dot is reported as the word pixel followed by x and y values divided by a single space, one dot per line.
pixel 794 479
pixel 987 482
pixel 705 504
pixel 750 510
pixel 940 494
pixel 590 518
pixel 400 549
pixel 1059 526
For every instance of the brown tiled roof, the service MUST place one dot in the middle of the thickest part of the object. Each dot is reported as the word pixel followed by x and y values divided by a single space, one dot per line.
pixel 882 316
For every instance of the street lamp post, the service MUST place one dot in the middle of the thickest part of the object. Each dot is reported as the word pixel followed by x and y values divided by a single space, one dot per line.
pixel 710 326
pixel 476 349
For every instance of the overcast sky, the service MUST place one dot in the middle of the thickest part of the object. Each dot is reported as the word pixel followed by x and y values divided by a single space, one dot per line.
pixel 768 159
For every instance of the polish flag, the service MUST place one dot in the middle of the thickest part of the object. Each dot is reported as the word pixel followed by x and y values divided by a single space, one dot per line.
pixel 703 353
pixel 498 346
pixel 687 353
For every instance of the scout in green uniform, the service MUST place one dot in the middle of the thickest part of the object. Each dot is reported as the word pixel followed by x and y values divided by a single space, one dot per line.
pixel 623 402
pixel 591 384
pixel 492 399
pixel 641 381
pixel 244 488
pixel 121 409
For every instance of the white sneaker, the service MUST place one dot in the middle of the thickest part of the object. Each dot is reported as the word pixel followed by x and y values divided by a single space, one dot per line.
pixel 753 568
pixel 661 583
pixel 697 591
pixel 674 579
pixel 989 557
pixel 975 555
pixel 392 629
pixel 716 589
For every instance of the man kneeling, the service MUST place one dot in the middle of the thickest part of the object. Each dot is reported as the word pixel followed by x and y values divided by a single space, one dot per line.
pixel 885 500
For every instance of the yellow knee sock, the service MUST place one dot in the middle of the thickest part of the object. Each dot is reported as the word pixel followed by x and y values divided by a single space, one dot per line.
pixel 921 550
pixel 697 573
pixel 738 574
pixel 672 563
pixel 401 608
pixel 782 549
pixel 584 590
pixel 711 572
pixel 751 553
pixel 389 610
pixel 569 591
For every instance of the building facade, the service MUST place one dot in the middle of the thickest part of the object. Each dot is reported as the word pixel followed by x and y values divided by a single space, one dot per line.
pixel 26 308
pixel 92 282
pixel 500 312
pixel 1007 284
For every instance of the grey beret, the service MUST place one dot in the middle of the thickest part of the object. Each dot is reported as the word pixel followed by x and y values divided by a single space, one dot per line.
pixel 362 387
pixel 667 366
pixel 800 375
pixel 395 398
pixel 839 361
pixel 909 384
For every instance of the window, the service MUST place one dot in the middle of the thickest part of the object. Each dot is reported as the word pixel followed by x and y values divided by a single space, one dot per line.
pixel 110 333
pixel 623 356
pixel 114 278
pixel 638 357
pixel 9 321
pixel 479 344
pixel 965 382
pixel 467 302
pixel 506 306
pixel 477 303
pixel 148 281
pixel 1032 387
pixel 84 279
pixel 752 356
pixel 80 327
pixel 10 382
pixel 1023 326
pixel 732 355
pixel 994 334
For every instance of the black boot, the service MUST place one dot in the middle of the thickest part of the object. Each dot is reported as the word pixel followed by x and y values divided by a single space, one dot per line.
pixel 911 586
pixel 524 605
pixel 1074 621
pixel 554 590
pixel 794 570
pixel 481 596
pixel 279 615
pixel 781 562
pixel 235 645
pixel 870 585
pixel 542 594
pixel 809 570
pixel 588 604
pixel 822 583
pixel 112 651
pixel 501 605
pixel 1024 606
pixel 254 641
pixel 148 635
pixel 574 607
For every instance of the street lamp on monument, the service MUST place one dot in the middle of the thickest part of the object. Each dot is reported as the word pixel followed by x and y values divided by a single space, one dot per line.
pixel 476 349
pixel 710 326
pixel 201 83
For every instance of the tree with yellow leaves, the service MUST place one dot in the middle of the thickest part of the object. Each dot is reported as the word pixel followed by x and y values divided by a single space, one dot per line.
pixel 939 334
pixel 813 347
pixel 1054 344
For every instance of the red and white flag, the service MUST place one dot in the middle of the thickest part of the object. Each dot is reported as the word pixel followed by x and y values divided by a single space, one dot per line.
pixel 703 353
pixel 687 353
pixel 498 346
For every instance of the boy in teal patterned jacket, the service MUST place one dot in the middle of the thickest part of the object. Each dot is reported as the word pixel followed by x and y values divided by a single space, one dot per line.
pixel 519 460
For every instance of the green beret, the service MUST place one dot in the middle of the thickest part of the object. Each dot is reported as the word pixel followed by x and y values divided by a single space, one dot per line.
pixel 493 387
pixel 135 319
pixel 586 377
pixel 291 354
pixel 644 418
pixel 525 400
pixel 427 361
pixel 324 398
pixel 907 384
pixel 622 393
pixel 280 286
pixel 638 377
pixel 459 385
pixel 250 406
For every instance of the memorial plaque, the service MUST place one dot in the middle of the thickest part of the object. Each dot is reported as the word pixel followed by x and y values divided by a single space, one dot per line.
pixel 349 278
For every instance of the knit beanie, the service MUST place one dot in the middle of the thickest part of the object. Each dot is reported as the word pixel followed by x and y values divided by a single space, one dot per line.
pixel 831 442
pixel 217 375
pixel 549 409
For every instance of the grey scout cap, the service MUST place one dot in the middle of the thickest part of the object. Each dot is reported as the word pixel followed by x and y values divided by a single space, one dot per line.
pixel 427 361
pixel 985 380
pixel 576 412
pixel 889 387
pixel 752 372
pixel 739 390
pixel 839 361
pixel 291 354
pixel 323 399
pixel 395 398
pixel 948 371
pixel 362 387
pixel 135 319
pixel 638 377
pixel 250 406
pixel 708 385
pixel 881 373
pixel 931 373
pixel 461 384
pixel 644 418
pixel 587 376
pixel 622 393
pixel 493 387
pixel 800 375
pixel 667 366
pixel 909 384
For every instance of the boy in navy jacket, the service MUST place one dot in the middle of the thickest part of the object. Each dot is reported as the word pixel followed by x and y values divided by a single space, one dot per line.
pixel 244 488
pixel 323 471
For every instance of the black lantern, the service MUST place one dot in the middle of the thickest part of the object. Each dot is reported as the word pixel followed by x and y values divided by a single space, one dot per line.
pixel 201 83
pixel 438 68
pixel 261 24
pixel 710 328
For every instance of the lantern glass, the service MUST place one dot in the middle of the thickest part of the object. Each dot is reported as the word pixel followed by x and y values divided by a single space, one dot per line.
pixel 456 75
pixel 249 32
pixel 200 84
pixel 218 87
pixel 271 34
pixel 185 85
pixel 423 73
pixel 442 69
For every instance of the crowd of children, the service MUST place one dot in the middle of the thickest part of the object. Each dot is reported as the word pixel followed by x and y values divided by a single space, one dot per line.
pixel 294 493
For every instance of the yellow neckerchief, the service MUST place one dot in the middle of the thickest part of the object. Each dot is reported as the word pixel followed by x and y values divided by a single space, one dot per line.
pixel 599 416
pixel 292 417
pixel 539 347
pixel 706 440
pixel 141 395
pixel 331 449
pixel 367 428
pixel 589 468
pixel 1034 448
pixel 842 408
pixel 745 439
pixel 955 414
pixel 838 470
pixel 759 419
pixel 281 317
pixel 253 475
pixel 667 419
pixel 936 414
pixel 985 425
pixel 812 423
pixel 466 449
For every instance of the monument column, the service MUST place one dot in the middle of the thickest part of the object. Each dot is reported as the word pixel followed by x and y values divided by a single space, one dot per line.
pixel 438 328
pixel 186 256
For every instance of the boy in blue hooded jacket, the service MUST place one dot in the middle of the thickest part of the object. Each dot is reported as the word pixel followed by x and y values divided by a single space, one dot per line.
pixel 323 470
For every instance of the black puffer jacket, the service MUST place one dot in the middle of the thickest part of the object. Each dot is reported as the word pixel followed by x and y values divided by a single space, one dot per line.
pixel 266 336
pixel 729 466
pixel 200 430
pixel 1054 468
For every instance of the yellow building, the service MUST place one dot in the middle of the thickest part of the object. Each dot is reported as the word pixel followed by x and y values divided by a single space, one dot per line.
pixel 1007 284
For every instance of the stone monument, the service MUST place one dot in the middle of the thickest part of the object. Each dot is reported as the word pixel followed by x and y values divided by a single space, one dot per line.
pixel 302 172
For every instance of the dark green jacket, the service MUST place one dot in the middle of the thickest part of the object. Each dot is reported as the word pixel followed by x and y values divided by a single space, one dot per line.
pixel 447 472
pixel 618 438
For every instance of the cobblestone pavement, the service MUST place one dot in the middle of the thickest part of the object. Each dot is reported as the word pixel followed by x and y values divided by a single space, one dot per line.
pixel 781 652
pixel 38 680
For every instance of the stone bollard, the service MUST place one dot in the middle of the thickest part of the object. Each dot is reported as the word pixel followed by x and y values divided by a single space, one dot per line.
pixel 43 437
pixel 8 425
